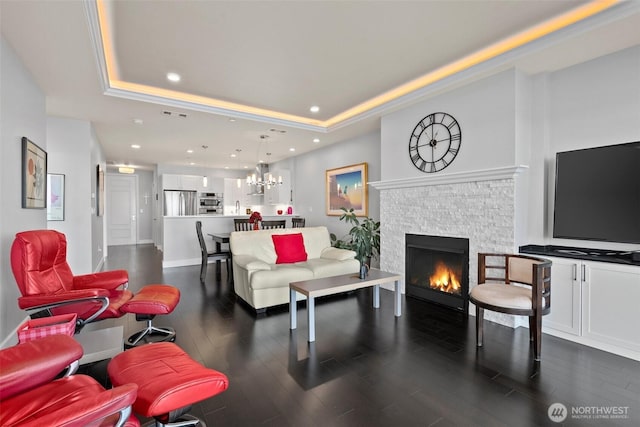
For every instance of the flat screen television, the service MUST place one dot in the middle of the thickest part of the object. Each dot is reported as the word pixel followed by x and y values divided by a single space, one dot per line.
pixel 598 194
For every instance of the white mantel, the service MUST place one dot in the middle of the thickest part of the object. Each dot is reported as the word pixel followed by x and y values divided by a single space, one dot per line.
pixel 450 178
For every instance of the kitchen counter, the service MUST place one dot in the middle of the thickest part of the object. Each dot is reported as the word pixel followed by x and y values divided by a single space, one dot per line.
pixel 180 245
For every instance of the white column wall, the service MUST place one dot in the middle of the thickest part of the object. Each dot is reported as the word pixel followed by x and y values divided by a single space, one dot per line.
pixel 23 112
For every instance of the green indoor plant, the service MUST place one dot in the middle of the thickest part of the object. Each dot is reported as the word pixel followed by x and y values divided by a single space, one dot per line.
pixel 363 237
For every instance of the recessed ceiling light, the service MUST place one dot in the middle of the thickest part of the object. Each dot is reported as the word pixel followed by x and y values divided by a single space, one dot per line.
pixel 316 140
pixel 233 155
pixel 189 151
pixel 135 146
pixel 138 121
pixel 173 77
pixel 231 119
pixel 246 167
pixel 292 149
pixel 191 163
pixel 314 109
pixel 226 167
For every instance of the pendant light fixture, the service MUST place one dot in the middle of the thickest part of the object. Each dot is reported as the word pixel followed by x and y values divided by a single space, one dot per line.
pixel 262 177
pixel 205 179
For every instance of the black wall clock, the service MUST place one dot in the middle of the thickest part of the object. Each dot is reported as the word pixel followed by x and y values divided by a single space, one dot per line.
pixel 435 142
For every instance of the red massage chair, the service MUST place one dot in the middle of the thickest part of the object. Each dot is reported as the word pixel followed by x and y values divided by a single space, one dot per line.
pixel 48 287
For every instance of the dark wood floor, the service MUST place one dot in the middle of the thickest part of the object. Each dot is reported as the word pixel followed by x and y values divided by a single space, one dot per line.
pixel 368 368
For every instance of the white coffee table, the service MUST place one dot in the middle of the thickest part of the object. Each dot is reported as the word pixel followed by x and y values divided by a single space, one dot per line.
pixel 338 284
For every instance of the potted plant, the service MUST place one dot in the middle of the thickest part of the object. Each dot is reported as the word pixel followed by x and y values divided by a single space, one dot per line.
pixel 363 237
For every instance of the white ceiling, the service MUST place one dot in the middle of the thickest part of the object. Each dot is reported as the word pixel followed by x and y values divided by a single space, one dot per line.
pixel 283 56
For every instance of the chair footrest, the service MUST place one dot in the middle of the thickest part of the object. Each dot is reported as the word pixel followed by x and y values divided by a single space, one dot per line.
pixel 153 299
pixel 168 379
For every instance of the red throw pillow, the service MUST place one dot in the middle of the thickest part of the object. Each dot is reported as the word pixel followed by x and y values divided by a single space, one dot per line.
pixel 289 248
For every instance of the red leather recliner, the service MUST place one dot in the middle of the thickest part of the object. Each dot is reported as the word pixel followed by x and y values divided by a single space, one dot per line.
pixel 29 395
pixel 48 287
pixel 39 264
pixel 156 380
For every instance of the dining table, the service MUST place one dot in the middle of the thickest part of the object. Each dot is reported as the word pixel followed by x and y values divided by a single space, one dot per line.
pixel 219 239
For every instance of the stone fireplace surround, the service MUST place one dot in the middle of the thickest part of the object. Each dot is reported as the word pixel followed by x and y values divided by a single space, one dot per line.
pixel 479 205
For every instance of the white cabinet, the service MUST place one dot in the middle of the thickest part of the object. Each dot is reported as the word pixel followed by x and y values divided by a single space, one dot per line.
pixel 279 194
pixel 214 185
pixel 566 300
pixel 171 182
pixel 597 302
pixel 236 190
pixel 181 182
pixel 611 304
pixel 192 182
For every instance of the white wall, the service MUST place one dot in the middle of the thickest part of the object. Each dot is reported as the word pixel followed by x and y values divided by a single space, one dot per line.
pixel 70 145
pixel 146 198
pixel 22 108
pixel 308 172
pixel 510 119
pixel 592 104
pixel 486 113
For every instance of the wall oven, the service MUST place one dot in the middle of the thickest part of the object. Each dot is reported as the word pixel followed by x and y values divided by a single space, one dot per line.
pixel 210 203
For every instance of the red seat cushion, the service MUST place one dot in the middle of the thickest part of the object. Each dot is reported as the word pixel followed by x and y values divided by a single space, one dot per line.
pixel 167 378
pixel 289 248
pixel 73 401
pixel 153 299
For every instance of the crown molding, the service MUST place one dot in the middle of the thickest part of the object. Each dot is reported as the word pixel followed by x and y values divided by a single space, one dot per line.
pixel 461 73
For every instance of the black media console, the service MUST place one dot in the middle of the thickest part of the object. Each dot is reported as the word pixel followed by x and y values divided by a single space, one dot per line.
pixel 602 255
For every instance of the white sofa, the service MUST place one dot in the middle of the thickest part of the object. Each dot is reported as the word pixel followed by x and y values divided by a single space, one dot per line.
pixel 262 283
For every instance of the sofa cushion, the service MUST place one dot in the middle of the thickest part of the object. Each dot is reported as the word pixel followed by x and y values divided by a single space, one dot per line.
pixel 289 248
pixel 280 276
pixel 322 267
pixel 250 263
pixel 337 254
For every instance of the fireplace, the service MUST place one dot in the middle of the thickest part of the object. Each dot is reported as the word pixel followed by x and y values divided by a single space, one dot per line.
pixel 437 270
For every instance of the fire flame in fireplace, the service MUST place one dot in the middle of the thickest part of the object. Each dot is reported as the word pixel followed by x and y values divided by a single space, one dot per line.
pixel 444 279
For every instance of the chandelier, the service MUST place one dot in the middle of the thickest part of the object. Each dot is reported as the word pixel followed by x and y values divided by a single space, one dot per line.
pixel 268 178
pixel 262 177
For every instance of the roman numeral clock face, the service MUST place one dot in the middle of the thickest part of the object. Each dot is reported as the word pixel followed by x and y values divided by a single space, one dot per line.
pixel 434 142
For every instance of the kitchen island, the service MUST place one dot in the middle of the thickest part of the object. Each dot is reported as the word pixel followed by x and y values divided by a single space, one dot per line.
pixel 180 245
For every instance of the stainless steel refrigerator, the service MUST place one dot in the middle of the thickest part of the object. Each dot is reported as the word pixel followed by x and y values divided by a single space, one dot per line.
pixel 179 203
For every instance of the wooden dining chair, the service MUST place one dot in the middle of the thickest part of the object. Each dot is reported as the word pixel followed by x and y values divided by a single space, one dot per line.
pixel 242 224
pixel 218 256
pixel 513 284
pixel 278 223
pixel 297 222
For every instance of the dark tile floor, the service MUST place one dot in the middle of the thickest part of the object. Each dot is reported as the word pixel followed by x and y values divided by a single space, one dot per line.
pixel 368 368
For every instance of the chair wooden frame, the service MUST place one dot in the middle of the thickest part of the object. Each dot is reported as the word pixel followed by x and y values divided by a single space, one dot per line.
pixel 277 223
pixel 297 222
pixel 206 255
pixel 505 272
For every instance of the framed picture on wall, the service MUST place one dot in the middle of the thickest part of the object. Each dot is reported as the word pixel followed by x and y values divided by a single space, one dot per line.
pixel 34 175
pixel 346 187
pixel 55 197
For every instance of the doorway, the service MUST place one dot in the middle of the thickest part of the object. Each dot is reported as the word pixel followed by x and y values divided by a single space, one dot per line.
pixel 122 225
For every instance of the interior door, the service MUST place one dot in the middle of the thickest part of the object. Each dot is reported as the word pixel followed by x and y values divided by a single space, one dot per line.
pixel 121 210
